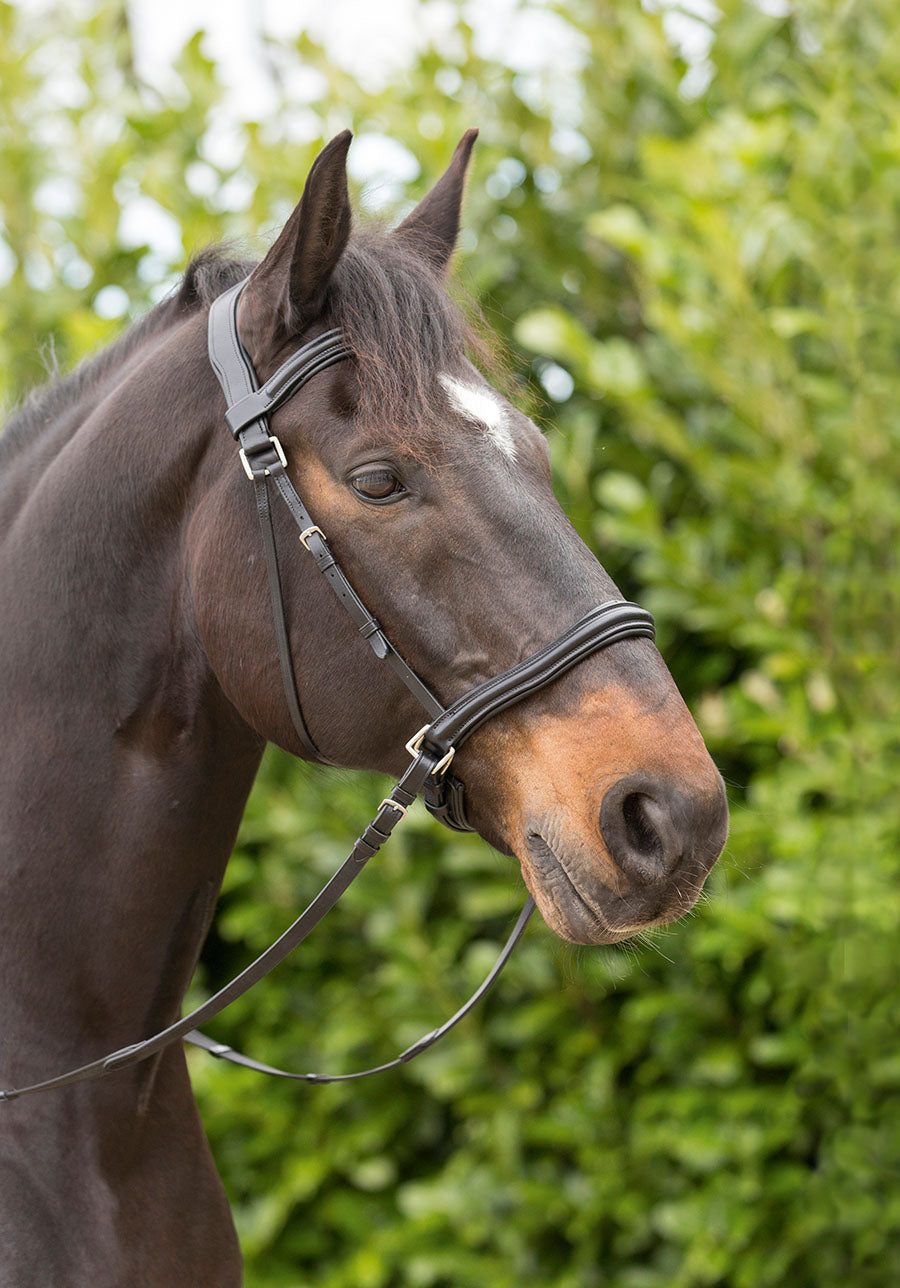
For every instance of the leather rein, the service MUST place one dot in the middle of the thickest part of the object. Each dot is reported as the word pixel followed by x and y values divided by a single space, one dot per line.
pixel 432 749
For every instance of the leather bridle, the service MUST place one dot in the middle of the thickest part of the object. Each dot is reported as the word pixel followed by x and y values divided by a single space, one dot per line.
pixel 434 746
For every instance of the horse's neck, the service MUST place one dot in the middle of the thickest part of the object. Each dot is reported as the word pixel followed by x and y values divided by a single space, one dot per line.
pixel 124 773
pixel 126 770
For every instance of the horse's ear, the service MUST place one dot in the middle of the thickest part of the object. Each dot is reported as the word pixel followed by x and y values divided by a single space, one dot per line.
pixel 287 290
pixel 431 229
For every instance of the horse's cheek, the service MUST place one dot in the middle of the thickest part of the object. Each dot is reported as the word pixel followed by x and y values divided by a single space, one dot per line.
pixel 228 604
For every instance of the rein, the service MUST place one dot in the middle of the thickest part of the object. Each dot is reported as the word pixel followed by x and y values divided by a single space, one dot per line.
pixel 432 749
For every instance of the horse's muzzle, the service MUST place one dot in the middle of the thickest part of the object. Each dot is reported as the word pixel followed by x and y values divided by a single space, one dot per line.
pixel 657 846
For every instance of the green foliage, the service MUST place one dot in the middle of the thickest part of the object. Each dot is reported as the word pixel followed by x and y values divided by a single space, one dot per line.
pixel 717 270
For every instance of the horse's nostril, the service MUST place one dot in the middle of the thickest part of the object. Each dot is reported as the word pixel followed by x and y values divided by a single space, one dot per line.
pixel 638 811
pixel 646 827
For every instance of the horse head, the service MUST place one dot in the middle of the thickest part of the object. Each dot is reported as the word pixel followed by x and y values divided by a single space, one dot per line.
pixel 436 497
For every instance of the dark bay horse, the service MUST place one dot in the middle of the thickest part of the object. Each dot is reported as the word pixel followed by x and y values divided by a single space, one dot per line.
pixel 141 683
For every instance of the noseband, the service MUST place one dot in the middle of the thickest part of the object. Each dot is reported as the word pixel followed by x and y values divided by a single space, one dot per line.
pixel 432 748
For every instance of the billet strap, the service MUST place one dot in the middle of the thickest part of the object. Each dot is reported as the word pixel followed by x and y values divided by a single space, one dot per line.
pixel 223 1052
pixel 392 809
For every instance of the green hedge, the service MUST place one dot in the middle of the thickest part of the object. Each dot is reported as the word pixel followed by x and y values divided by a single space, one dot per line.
pixel 714 263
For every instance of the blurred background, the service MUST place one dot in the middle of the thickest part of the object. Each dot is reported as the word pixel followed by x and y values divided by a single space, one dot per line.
pixel 683 224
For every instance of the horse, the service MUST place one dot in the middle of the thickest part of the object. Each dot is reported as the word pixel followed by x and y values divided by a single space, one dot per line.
pixel 142 681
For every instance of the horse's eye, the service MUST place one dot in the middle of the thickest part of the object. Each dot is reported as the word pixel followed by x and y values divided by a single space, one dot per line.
pixel 377 485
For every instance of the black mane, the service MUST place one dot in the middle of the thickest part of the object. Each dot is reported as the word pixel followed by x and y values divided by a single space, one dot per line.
pixel 388 302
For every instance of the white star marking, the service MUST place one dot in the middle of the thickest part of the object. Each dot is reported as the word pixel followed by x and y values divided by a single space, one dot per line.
pixel 483 406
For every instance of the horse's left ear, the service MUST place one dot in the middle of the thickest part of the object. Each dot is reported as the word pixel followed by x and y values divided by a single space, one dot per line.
pixel 431 229
pixel 287 290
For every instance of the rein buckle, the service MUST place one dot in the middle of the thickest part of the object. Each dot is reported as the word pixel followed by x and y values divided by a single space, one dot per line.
pixel 401 809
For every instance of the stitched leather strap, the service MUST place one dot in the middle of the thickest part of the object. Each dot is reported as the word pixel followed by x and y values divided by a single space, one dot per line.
pixel 247 418
pixel 370 841
pixel 602 626
pixel 307 362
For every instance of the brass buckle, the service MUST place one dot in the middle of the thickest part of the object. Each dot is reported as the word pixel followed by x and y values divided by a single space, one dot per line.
pixel 414 746
pixel 389 800
pixel 279 451
pixel 307 533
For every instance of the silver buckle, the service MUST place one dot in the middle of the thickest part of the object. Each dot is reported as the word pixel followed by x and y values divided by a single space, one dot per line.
pixel 414 746
pixel 279 450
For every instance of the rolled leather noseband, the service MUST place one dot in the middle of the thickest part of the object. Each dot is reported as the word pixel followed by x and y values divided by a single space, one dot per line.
pixel 602 626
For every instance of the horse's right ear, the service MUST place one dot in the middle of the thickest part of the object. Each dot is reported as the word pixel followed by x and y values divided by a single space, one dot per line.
pixel 286 292
pixel 431 229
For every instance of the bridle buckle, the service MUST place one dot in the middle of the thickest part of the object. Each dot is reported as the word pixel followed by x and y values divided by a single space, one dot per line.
pixel 307 533
pixel 414 747
pixel 389 800
pixel 279 451
pixel 443 764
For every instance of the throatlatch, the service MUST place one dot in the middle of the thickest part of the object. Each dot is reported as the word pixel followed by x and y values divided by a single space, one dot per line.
pixel 432 749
